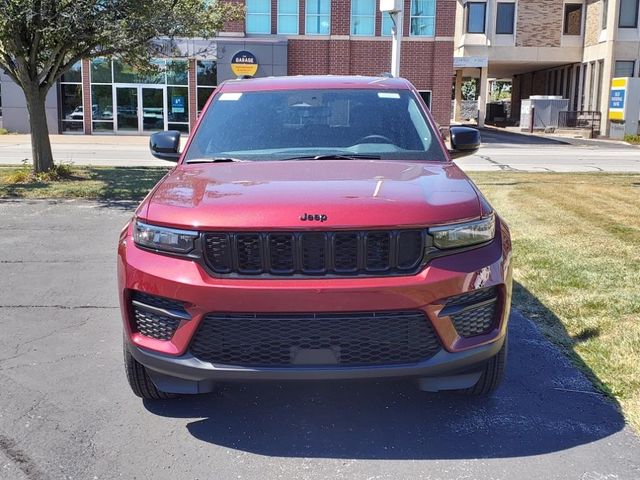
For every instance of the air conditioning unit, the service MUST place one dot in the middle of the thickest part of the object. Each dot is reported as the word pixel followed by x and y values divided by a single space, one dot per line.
pixel 546 108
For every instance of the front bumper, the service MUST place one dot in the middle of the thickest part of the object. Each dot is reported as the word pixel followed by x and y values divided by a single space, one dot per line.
pixel 187 374
pixel 188 282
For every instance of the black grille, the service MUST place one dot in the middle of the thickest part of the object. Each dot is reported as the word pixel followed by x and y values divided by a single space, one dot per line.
pixel 476 321
pixel 342 339
pixel 474 296
pixel 153 323
pixel 474 313
pixel 315 253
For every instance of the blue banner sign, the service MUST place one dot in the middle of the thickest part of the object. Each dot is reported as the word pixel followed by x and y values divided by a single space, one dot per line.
pixel 177 104
pixel 617 99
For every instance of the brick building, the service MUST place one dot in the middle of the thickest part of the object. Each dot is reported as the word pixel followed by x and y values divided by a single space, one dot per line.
pixel 284 37
pixel 569 48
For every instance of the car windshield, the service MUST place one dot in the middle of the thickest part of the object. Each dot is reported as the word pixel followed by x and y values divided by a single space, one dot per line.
pixel 315 124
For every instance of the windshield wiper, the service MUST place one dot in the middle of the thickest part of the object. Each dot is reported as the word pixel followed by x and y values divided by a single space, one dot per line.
pixel 337 156
pixel 213 160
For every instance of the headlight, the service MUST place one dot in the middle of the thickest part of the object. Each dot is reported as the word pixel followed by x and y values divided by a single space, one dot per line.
pixel 464 234
pixel 163 238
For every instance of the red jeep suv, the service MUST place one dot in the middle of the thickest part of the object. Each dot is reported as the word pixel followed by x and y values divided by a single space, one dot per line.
pixel 314 228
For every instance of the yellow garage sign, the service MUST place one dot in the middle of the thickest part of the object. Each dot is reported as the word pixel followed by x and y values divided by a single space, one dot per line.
pixel 244 63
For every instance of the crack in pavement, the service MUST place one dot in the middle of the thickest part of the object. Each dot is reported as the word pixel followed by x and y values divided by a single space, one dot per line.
pixel 501 166
pixel 23 461
pixel 50 362
pixel 18 347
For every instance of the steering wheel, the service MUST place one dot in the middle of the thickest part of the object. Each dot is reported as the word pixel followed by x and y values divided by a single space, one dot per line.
pixel 374 139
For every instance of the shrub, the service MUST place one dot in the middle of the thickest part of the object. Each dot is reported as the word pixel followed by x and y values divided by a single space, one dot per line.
pixel 633 139
pixel 62 171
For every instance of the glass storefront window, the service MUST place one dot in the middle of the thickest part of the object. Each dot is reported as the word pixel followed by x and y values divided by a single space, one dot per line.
pixel 102 127
pixel 178 104
pixel 123 73
pixel 126 99
pixel 74 74
pixel 102 107
pixel 153 110
pixel 203 95
pixel 181 127
pixel 101 70
pixel 207 73
pixel 177 72
pixel 71 108
pixel 102 102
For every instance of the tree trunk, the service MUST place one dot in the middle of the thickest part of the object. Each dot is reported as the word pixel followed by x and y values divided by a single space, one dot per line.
pixel 40 143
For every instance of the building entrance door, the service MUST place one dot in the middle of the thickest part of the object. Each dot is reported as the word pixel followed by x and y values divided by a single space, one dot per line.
pixel 140 109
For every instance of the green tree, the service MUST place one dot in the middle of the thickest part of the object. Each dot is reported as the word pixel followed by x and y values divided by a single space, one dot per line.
pixel 470 89
pixel 41 39
pixel 500 90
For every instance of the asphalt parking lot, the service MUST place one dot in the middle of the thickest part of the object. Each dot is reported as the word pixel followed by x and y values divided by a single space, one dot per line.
pixel 67 412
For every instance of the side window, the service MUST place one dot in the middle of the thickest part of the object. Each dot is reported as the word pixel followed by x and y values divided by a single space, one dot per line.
pixel 419 122
pixel 504 18
pixel 476 14
pixel 288 17
pixel 318 17
pixel 423 18
pixel 258 16
pixel 573 19
pixel 363 17
pixel 629 13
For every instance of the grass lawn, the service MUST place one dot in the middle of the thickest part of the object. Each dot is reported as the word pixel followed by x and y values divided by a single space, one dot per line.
pixel 102 183
pixel 576 240
pixel 577 257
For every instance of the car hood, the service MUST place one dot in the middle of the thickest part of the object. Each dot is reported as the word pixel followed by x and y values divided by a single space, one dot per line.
pixel 343 194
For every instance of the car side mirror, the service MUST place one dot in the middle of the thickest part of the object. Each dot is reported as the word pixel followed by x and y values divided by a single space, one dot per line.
pixel 464 141
pixel 165 145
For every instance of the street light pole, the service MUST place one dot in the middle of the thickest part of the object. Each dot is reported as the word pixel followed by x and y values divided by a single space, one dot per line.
pixel 396 33
pixel 394 9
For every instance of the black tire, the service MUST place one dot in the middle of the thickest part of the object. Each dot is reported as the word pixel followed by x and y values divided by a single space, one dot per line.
pixel 492 374
pixel 139 380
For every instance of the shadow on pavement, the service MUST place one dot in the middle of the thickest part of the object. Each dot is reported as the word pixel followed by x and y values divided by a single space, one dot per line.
pixel 127 183
pixel 544 405
pixel 493 136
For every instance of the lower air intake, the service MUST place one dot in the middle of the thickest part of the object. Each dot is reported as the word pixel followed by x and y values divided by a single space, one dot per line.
pixel 337 339
pixel 156 317
pixel 473 313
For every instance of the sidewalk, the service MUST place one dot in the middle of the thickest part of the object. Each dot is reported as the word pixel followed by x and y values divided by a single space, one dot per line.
pixel 20 139
pixel 567 139
pixel 96 150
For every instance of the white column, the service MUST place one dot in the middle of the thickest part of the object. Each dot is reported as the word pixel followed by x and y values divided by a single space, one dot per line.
pixel 483 98
pixel 396 33
pixel 457 105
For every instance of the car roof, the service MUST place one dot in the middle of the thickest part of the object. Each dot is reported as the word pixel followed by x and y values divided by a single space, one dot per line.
pixel 314 82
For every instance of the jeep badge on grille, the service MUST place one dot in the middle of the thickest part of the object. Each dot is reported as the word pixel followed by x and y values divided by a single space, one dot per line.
pixel 313 217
